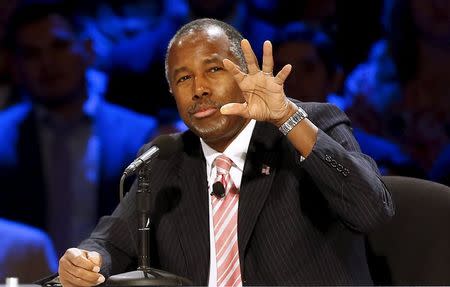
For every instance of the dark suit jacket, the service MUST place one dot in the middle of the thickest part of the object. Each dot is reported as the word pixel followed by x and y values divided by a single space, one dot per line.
pixel 23 194
pixel 301 224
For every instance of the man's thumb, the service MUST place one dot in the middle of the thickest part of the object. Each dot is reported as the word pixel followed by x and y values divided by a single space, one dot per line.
pixel 235 109
pixel 95 258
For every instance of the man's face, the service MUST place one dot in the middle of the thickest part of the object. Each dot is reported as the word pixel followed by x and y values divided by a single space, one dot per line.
pixel 201 85
pixel 51 62
pixel 308 80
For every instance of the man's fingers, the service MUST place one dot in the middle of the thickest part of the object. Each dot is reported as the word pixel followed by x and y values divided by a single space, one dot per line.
pixel 66 267
pixel 267 64
pixel 79 258
pixel 235 109
pixel 283 74
pixel 72 280
pixel 250 58
pixel 76 269
pixel 234 70
pixel 95 258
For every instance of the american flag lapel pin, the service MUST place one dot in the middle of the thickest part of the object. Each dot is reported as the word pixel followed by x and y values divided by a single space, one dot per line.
pixel 265 169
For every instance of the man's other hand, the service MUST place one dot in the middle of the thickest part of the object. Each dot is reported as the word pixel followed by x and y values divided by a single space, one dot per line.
pixel 79 267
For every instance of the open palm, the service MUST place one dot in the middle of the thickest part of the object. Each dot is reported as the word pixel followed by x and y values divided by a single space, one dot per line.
pixel 263 92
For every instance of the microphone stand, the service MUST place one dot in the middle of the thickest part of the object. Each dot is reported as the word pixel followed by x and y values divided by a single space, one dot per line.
pixel 144 275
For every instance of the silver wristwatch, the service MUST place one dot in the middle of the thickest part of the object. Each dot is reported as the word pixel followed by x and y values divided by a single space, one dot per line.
pixel 297 117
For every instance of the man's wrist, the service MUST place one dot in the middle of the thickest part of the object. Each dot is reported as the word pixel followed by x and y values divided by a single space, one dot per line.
pixel 291 109
pixel 293 121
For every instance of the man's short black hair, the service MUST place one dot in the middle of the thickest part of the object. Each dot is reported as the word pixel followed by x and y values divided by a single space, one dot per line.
pixel 303 33
pixel 31 11
pixel 232 34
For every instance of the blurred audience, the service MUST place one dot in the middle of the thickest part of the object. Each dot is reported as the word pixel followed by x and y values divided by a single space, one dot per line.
pixel 353 25
pixel 130 40
pixel 357 27
pixel 25 252
pixel 402 92
pixel 62 150
pixel 316 75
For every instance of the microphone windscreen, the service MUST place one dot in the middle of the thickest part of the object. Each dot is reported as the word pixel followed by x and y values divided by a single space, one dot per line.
pixel 218 189
pixel 168 145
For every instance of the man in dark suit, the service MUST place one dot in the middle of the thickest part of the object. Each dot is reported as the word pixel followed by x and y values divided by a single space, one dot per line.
pixel 63 149
pixel 299 195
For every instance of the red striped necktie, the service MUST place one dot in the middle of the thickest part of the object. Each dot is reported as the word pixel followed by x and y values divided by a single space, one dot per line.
pixel 225 213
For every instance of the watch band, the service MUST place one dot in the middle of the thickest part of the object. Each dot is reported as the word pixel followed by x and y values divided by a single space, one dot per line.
pixel 297 117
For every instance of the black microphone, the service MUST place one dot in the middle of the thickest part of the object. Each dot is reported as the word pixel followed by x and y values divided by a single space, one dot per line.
pixel 163 146
pixel 218 190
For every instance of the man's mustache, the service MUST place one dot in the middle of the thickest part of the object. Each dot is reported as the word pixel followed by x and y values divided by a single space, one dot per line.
pixel 203 105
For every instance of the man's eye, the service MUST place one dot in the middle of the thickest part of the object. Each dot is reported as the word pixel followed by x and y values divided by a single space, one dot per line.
pixel 182 79
pixel 215 69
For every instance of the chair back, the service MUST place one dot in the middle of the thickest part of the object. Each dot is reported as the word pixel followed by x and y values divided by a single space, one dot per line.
pixel 414 247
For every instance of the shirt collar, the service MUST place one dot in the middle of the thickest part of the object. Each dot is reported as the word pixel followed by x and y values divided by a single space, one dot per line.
pixel 236 151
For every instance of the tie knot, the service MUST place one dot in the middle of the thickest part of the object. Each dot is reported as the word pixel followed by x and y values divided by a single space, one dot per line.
pixel 223 164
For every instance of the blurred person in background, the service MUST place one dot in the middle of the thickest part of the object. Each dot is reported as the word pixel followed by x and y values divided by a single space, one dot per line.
pixel 402 92
pixel 25 252
pixel 63 150
pixel 342 21
pixel 129 40
pixel 317 76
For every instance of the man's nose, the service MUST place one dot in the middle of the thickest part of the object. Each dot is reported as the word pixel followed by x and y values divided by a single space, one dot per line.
pixel 201 88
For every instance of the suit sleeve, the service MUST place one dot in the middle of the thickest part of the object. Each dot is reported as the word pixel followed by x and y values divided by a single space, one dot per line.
pixel 348 179
pixel 115 237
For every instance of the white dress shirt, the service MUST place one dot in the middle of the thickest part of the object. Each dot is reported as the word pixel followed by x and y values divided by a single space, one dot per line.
pixel 237 152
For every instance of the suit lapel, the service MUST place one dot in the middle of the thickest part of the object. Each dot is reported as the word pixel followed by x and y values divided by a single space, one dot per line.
pixel 259 172
pixel 193 215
